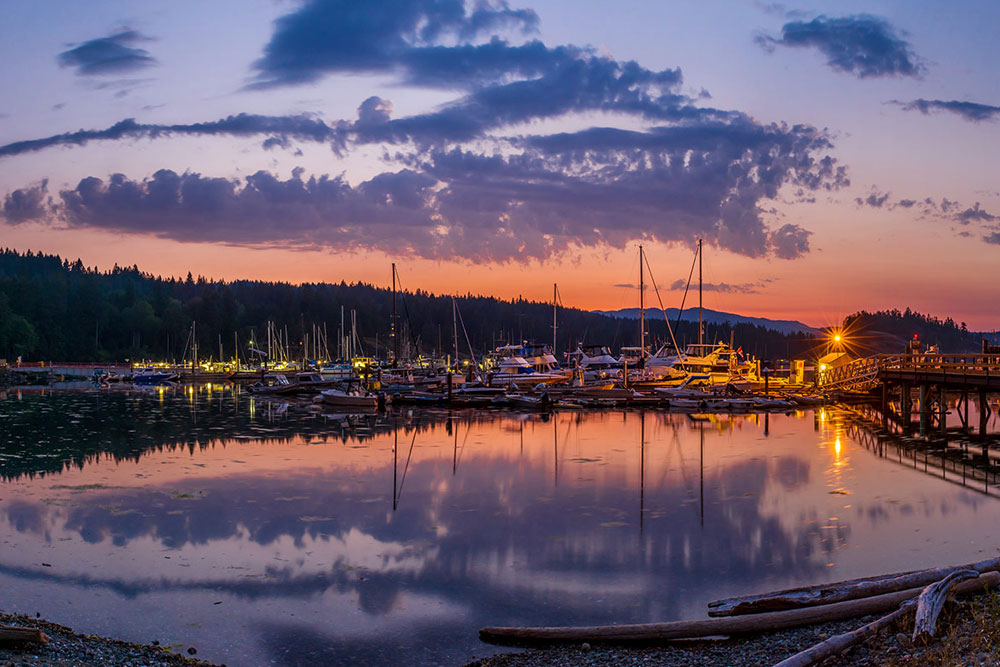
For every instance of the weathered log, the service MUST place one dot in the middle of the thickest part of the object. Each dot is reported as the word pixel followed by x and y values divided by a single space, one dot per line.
pixel 10 633
pixel 808 596
pixel 931 602
pixel 779 620
pixel 840 643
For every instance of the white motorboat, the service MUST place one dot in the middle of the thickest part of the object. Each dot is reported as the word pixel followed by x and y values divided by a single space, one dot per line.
pixel 348 399
pixel 514 368
pixel 272 383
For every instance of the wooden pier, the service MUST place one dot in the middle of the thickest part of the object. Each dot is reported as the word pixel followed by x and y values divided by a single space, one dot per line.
pixel 932 376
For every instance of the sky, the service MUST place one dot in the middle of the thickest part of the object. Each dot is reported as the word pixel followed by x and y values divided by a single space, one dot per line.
pixel 832 156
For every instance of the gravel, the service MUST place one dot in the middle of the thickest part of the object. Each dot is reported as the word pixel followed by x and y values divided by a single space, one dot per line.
pixel 67 648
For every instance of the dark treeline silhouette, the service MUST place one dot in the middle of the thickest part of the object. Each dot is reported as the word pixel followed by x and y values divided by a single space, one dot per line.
pixel 54 309
pixel 889 331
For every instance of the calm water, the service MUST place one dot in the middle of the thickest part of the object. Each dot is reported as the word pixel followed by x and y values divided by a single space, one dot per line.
pixel 266 534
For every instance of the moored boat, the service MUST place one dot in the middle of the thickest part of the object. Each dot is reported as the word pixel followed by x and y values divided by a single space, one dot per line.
pixel 348 399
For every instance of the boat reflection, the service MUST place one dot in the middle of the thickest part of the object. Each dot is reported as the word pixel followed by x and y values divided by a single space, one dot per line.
pixel 414 527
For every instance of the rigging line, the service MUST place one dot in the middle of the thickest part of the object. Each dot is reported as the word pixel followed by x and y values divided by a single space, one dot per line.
pixel 665 319
pixel 186 343
pixel 686 288
pixel 467 341
pixel 406 312
pixel 458 459
pixel 406 467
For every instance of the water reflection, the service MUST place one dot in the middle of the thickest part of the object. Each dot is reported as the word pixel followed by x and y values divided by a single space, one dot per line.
pixel 337 538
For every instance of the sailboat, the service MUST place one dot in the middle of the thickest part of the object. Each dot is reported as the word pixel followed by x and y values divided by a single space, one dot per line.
pixel 718 361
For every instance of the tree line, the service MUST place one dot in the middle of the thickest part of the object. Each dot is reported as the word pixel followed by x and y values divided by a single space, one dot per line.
pixel 55 309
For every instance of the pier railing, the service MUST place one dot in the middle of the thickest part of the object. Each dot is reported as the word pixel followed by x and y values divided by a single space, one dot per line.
pixel 859 374
pixel 982 370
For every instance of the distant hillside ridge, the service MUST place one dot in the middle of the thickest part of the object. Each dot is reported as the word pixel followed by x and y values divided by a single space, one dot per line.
pixel 716 317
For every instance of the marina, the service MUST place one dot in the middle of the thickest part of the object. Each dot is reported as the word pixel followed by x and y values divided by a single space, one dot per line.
pixel 490 333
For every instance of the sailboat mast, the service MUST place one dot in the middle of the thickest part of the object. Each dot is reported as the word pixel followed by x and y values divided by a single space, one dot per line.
pixel 454 323
pixel 392 330
pixel 700 326
pixel 642 310
pixel 555 287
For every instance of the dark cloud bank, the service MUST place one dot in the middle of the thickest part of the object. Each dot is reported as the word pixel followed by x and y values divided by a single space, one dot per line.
pixel 691 172
pixel 862 45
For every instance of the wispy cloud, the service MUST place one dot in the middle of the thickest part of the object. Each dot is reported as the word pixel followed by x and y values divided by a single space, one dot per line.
pixel 300 127
pixel 972 111
pixel 724 288
pixel 863 45
pixel 945 210
pixel 113 54
pixel 875 199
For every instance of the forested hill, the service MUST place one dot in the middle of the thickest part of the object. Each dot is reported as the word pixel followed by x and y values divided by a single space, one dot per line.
pixel 54 309
pixel 889 331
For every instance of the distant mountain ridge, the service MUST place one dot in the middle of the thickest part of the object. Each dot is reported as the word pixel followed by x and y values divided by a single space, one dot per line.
pixel 715 317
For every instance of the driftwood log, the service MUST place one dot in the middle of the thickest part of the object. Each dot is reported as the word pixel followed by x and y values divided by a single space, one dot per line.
pixel 840 643
pixel 9 633
pixel 931 602
pixel 766 622
pixel 809 596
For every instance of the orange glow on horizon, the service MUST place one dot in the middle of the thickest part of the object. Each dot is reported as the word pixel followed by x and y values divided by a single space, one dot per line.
pixel 812 289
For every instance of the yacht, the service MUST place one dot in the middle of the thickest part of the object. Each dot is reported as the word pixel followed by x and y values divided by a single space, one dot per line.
pixel 718 361
pixel 527 365
pixel 597 362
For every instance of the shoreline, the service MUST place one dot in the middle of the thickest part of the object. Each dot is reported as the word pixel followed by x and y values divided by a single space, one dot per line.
pixel 968 634
pixel 67 648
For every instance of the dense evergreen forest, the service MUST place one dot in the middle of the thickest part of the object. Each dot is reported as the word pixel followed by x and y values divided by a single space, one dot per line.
pixel 889 331
pixel 54 309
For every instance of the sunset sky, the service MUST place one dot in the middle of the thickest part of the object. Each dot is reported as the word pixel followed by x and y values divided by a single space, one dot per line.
pixel 834 156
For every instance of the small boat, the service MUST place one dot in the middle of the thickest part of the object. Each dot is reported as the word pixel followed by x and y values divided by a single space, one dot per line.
pixel 772 403
pixel 348 399
pixel 305 383
pixel 737 404
pixel 687 404
pixel 272 383
pixel 524 402
pixel 152 376
pixel 689 388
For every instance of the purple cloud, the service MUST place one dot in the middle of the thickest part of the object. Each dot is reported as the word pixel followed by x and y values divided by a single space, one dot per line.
pixel 863 45
pixel 971 111
pixel 108 55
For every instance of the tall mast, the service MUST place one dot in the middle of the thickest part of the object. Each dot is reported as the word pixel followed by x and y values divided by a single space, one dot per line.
pixel 555 287
pixel 454 322
pixel 700 328
pixel 642 310
pixel 392 330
